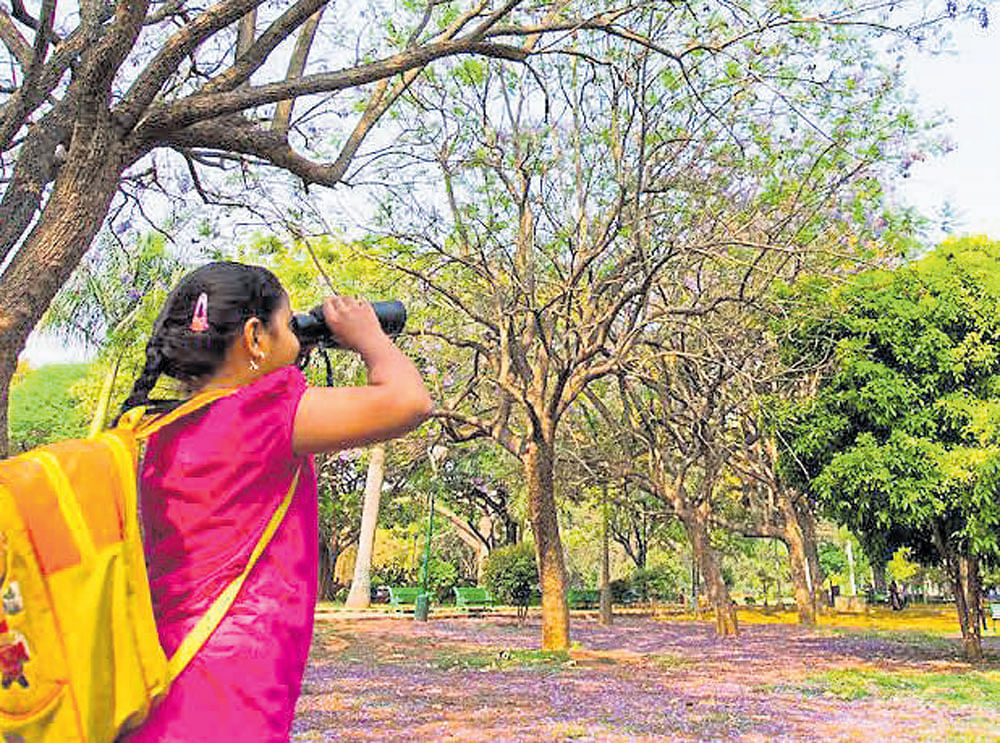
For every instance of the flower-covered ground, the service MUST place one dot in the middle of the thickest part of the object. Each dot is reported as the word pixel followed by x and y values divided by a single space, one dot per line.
pixel 642 679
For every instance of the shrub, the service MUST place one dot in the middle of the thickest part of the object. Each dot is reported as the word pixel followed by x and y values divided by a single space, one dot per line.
pixel 392 573
pixel 511 573
pixel 659 582
pixel 621 590
pixel 442 576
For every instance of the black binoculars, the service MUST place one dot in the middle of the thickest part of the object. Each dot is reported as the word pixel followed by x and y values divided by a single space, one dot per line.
pixel 312 331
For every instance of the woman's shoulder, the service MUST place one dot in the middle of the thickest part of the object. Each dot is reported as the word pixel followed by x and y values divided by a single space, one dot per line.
pixel 288 380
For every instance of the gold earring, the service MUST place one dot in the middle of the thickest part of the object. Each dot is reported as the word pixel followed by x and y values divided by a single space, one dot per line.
pixel 253 365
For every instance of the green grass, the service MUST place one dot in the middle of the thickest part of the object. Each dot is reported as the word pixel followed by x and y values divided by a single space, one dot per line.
pixel 980 689
pixel 42 410
pixel 504 660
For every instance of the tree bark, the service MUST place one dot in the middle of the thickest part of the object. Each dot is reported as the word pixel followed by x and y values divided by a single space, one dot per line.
pixel 807 522
pixel 605 617
pixel 967 602
pixel 963 571
pixel 803 580
pixel 695 522
pixel 81 195
pixel 361 584
pixel 537 462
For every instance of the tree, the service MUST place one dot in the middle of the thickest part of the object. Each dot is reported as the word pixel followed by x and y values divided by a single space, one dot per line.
pixel 763 505
pixel 901 439
pixel 340 479
pixel 565 202
pixel 87 98
pixel 543 283
pixel 360 593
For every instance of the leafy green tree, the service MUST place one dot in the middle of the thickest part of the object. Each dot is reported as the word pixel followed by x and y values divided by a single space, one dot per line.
pixel 901 443
pixel 109 303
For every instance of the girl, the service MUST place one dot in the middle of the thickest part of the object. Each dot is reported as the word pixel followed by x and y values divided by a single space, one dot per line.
pixel 210 482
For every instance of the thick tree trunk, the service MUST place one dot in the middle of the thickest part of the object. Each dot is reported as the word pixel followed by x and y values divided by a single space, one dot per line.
pixel 537 462
pixel 696 524
pixel 361 584
pixel 963 571
pixel 807 522
pixel 803 579
pixel 965 579
pixel 329 551
pixel 80 198
pixel 8 365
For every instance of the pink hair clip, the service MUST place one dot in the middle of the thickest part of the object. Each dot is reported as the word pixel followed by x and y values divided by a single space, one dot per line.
pixel 199 321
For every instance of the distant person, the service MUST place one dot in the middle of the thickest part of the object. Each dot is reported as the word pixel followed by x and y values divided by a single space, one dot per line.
pixel 894 599
pixel 210 482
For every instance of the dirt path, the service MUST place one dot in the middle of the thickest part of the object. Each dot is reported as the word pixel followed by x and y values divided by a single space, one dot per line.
pixel 641 680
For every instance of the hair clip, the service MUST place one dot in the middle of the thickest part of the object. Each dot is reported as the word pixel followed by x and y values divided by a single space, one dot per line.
pixel 199 320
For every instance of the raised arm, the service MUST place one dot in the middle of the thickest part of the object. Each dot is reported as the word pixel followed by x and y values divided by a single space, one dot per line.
pixel 393 402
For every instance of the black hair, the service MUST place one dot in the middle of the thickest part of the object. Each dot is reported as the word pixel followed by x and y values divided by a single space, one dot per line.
pixel 236 293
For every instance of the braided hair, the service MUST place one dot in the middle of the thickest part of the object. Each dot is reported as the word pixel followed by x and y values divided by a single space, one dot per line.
pixel 236 293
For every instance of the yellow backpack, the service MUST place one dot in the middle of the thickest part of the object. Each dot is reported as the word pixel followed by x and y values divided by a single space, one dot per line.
pixel 80 658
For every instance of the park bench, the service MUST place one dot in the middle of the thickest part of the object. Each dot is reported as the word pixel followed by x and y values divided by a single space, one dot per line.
pixel 994 614
pixel 583 598
pixel 400 597
pixel 472 598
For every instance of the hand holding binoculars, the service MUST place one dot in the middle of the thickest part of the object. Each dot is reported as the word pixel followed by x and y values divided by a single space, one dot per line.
pixel 313 332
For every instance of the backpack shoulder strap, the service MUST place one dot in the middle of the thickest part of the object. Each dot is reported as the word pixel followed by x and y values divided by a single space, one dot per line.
pixel 141 426
pixel 210 620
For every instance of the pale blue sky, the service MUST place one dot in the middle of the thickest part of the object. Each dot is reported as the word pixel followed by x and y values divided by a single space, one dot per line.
pixel 964 84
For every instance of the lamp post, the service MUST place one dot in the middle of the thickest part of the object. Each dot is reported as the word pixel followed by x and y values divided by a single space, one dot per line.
pixel 420 611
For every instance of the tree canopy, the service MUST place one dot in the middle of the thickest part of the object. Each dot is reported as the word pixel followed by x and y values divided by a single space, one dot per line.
pixel 902 441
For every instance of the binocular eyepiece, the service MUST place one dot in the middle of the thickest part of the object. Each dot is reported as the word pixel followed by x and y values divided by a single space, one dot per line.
pixel 312 331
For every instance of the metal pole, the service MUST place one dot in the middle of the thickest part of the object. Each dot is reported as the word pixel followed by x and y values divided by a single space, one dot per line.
pixel 422 607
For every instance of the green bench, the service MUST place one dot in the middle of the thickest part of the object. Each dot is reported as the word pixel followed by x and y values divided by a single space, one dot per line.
pixel 583 598
pixel 472 597
pixel 994 614
pixel 400 597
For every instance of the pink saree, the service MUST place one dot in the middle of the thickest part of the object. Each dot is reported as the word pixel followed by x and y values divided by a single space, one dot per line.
pixel 209 484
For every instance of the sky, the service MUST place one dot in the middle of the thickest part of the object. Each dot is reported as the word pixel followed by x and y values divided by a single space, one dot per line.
pixel 963 84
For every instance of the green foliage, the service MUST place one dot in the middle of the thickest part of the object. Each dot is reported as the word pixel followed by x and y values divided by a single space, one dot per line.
pixel 511 573
pixel 442 576
pixel 42 408
pixel 902 441
pixel 900 568
pixel 832 558
pixel 661 582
